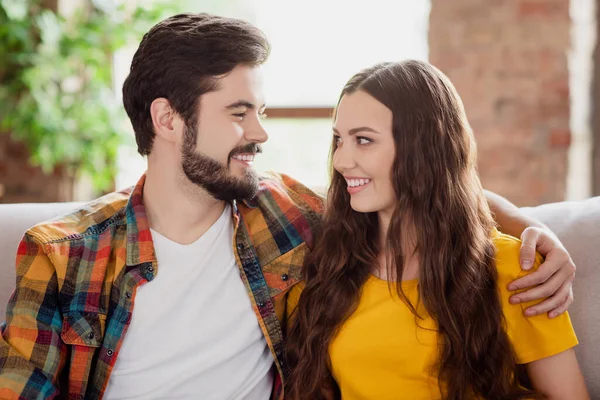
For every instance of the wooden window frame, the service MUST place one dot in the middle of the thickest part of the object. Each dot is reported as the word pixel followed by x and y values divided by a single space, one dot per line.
pixel 299 112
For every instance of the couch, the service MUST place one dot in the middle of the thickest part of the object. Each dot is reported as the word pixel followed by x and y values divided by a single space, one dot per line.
pixel 577 224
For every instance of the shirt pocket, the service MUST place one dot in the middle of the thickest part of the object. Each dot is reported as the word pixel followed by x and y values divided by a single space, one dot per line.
pixel 83 333
pixel 285 271
pixel 83 329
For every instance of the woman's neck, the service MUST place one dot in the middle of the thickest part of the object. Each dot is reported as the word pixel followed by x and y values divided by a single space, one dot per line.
pixel 386 267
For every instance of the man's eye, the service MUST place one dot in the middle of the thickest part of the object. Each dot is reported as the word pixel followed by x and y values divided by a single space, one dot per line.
pixel 240 115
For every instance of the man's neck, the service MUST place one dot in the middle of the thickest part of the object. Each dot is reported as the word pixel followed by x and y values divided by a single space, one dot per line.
pixel 178 209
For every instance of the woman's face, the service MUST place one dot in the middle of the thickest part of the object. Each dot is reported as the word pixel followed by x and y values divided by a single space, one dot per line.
pixel 365 152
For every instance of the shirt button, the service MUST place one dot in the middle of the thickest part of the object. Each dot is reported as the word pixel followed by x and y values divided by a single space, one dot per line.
pixel 150 269
pixel 128 295
pixel 261 304
pixel 284 277
pixel 90 335
pixel 110 352
pixel 240 246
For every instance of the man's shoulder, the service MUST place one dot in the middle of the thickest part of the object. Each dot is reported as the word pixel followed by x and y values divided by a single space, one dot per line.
pixel 283 210
pixel 89 219
pixel 287 192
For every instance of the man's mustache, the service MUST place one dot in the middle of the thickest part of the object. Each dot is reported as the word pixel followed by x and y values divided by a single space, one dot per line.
pixel 250 148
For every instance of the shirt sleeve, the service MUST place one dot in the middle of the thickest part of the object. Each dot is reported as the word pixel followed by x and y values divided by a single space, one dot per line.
pixel 31 350
pixel 297 190
pixel 536 337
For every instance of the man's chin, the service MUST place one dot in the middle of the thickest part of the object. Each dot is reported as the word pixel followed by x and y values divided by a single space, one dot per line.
pixel 241 171
pixel 243 187
pixel 250 185
pixel 248 177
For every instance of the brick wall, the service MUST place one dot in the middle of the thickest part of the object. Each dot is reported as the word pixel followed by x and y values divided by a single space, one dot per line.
pixel 508 61
pixel 20 182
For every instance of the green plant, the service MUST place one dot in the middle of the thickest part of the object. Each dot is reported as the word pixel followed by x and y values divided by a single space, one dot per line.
pixel 56 82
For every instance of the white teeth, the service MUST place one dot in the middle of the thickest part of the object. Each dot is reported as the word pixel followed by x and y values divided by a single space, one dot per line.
pixel 244 157
pixel 357 182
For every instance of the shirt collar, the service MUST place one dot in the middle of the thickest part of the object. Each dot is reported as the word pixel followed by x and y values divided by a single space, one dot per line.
pixel 140 248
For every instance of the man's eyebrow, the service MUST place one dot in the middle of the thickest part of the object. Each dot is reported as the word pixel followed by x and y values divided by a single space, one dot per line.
pixel 243 103
pixel 354 131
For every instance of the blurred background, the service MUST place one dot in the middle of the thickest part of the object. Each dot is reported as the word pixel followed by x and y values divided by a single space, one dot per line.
pixel 527 71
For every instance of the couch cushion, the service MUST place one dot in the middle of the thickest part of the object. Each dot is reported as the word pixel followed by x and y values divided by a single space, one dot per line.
pixel 15 219
pixel 577 225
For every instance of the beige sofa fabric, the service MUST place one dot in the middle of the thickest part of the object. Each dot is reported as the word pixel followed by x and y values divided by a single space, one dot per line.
pixel 577 224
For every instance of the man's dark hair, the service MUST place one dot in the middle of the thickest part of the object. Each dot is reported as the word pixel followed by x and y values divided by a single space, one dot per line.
pixel 179 59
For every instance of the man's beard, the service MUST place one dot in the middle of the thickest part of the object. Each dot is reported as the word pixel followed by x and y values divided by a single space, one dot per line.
pixel 215 177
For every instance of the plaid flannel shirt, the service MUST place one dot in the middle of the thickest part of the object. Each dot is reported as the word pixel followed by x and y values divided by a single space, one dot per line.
pixel 77 278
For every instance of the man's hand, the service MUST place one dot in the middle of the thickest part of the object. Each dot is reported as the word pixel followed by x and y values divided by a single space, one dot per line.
pixel 553 279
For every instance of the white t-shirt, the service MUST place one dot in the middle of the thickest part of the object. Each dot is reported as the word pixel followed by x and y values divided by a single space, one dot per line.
pixel 193 333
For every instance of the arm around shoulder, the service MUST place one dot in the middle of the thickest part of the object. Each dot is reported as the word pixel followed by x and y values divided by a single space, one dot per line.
pixel 509 218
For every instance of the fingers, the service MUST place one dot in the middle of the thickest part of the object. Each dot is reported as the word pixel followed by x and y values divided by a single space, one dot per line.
pixel 553 263
pixel 547 289
pixel 555 305
pixel 529 237
pixel 564 307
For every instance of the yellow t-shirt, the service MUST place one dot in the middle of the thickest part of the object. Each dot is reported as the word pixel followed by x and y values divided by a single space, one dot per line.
pixel 383 352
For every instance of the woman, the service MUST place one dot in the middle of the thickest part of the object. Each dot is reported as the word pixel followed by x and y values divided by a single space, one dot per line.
pixel 405 293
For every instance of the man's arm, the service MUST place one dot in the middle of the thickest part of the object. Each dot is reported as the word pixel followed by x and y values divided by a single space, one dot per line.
pixel 553 280
pixel 31 350
pixel 510 219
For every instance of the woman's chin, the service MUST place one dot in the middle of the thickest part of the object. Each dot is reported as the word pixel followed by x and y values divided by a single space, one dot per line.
pixel 363 207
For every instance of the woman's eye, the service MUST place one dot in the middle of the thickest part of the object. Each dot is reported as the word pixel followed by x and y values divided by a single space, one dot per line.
pixel 337 140
pixel 363 140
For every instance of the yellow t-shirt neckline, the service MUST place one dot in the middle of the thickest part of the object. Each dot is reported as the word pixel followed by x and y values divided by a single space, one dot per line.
pixel 408 283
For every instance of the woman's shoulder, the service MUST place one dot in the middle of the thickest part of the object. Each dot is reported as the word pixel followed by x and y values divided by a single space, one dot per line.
pixel 534 337
pixel 507 258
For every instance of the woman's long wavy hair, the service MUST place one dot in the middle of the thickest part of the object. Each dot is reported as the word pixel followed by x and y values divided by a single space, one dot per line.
pixel 439 194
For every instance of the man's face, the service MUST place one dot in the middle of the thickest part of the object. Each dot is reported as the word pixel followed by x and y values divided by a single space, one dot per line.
pixel 218 153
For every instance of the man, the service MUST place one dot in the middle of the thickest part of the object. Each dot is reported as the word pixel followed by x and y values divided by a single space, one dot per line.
pixel 228 245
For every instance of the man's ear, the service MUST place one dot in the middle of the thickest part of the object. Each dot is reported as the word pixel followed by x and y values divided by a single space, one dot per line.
pixel 164 119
